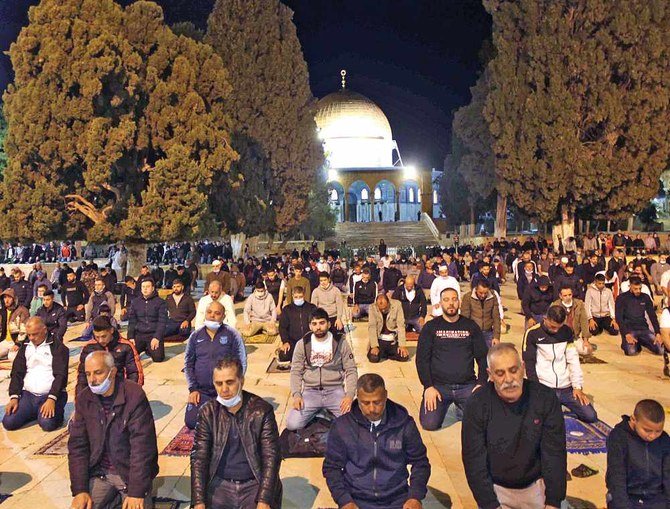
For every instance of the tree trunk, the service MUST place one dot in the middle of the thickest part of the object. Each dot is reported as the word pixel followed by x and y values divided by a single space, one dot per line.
pixel 501 217
pixel 631 222
pixel 566 228
pixel 237 243
pixel 137 256
pixel 472 226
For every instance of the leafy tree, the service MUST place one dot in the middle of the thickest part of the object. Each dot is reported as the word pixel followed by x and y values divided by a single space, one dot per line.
pixel 3 133
pixel 117 126
pixel 321 219
pixel 579 104
pixel 273 109
pixel 454 195
pixel 188 29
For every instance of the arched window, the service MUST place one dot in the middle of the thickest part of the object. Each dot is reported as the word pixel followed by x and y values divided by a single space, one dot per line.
pixel 364 194
pixel 333 195
pixel 435 197
pixel 411 195
pixel 378 193
pixel 418 197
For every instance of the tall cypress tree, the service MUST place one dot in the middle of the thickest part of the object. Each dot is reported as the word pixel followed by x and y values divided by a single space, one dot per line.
pixel 273 110
pixel 579 104
pixel 117 126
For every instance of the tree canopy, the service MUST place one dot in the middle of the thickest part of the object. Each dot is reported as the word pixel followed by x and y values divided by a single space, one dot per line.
pixel 579 103
pixel 3 134
pixel 273 112
pixel 116 126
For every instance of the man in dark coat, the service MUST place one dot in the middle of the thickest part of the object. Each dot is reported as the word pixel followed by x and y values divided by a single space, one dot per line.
pixel 147 319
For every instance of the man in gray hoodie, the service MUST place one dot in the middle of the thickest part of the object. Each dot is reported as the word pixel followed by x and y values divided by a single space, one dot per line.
pixel 323 374
pixel 329 297
pixel 260 313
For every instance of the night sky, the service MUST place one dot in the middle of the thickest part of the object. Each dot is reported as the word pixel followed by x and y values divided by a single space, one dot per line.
pixel 415 58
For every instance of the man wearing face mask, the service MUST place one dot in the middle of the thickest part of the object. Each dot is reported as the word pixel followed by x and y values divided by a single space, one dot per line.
pixel 260 313
pixel 372 446
pixel 213 341
pixel 215 294
pixel 551 358
pixel 513 438
pixel 37 389
pixel 575 319
pixel 112 449
pixel 235 459
pixel 106 338
pixel 293 325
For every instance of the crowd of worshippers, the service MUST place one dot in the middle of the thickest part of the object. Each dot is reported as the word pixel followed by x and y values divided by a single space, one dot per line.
pixel 510 402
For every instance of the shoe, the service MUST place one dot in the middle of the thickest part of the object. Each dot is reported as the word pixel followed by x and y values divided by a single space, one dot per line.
pixel 583 471
pixel 568 477
pixel 666 371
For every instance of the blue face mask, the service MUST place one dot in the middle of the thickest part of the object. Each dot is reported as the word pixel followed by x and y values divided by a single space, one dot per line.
pixel 212 324
pixel 103 387
pixel 230 403
pixel 298 302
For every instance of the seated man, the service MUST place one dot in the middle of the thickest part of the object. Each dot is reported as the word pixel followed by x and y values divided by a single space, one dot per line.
pixel 13 318
pixel 293 325
pixel 74 295
pixel 364 295
pixel 551 358
pixel 205 347
pixel 329 297
pixel 235 459
pixel 575 318
pixel 215 293
pixel 632 309
pixel 106 338
pixel 414 304
pixel 181 311
pixel 129 291
pixel 513 438
pixel 38 380
pixel 599 307
pixel 323 374
pixel 112 449
pixel 482 306
pixel 376 427
pixel 99 297
pixel 53 315
pixel 386 331
pixel 260 313
pixel 536 300
pixel 147 318
pixel 638 452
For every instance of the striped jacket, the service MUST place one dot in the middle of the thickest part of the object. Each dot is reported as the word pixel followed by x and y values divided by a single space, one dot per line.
pixel 552 359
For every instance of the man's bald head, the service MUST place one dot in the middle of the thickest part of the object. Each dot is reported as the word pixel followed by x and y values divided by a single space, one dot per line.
pixel 215 289
pixel 215 311
pixel 36 330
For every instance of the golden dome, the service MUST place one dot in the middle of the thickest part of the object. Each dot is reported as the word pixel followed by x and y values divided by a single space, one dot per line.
pixel 347 114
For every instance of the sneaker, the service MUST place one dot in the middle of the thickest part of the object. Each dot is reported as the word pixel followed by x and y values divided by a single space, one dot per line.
pixel 666 371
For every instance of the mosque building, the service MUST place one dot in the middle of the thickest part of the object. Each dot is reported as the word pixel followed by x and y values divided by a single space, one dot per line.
pixel 366 176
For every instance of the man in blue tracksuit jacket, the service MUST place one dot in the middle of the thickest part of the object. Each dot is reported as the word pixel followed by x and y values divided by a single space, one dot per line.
pixel 369 449
pixel 204 348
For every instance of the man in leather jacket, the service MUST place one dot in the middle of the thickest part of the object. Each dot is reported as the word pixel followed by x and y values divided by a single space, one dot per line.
pixel 235 457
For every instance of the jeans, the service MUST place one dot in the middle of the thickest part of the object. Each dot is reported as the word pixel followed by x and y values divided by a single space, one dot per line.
pixel 363 310
pixel 537 318
pixel 109 492
pixel 530 497
pixel 191 416
pixel 143 344
pixel 488 337
pixel 226 494
pixel 314 400
pixel 413 324
pixel 174 329
pixel 387 350
pixel 584 413
pixel 451 393
pixel 288 356
pixel 29 410
pixel 644 338
pixel 604 323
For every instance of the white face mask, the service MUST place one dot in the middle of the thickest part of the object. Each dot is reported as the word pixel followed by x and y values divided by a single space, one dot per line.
pixel 567 304
pixel 298 302
pixel 230 403
pixel 103 387
pixel 212 324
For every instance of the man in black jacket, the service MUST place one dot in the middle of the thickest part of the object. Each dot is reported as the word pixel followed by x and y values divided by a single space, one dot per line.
pixel 365 294
pixel 536 301
pixel 112 449
pixel 147 318
pixel 446 353
pixel 235 457
pixel 22 288
pixel 74 295
pixel 129 292
pixel 180 310
pixel 53 315
pixel 369 450
pixel 414 304
pixel 38 380
pixel 513 438
pixel 293 325
pixel 632 309
pixel 392 277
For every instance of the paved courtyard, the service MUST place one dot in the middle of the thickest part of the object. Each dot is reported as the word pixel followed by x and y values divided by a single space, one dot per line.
pixel 42 481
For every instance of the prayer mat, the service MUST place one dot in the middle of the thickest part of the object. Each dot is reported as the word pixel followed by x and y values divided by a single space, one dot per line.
pixel 260 339
pixel 56 447
pixel 591 359
pixel 168 503
pixel 412 336
pixel 181 444
pixel 272 368
pixel 585 438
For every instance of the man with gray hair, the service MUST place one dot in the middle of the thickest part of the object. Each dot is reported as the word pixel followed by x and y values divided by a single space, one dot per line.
pixel 369 450
pixel 112 449
pixel 513 438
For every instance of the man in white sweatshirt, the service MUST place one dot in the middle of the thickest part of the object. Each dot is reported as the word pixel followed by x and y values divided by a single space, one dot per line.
pixel 444 280
pixel 215 293
pixel 260 313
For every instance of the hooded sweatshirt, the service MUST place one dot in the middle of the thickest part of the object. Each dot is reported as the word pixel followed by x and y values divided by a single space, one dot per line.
pixel 635 468
pixel 329 299
pixel 260 309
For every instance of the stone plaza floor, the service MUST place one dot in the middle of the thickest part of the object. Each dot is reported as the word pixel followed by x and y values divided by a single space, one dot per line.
pixel 38 481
